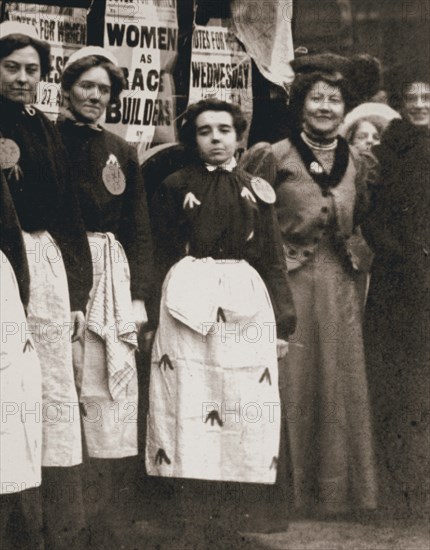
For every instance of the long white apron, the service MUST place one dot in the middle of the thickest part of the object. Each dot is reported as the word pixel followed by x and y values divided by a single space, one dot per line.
pixel 20 391
pixel 107 351
pixel 214 410
pixel 49 320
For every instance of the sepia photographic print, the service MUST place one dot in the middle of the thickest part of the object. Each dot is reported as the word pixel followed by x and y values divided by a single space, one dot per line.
pixel 215 275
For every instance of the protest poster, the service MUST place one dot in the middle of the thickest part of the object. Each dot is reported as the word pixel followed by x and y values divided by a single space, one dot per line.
pixel 65 28
pixel 143 35
pixel 220 68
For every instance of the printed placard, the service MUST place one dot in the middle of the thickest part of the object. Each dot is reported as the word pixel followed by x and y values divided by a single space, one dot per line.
pixel 143 35
pixel 220 68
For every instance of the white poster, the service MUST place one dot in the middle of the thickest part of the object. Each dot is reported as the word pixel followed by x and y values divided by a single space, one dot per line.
pixel 220 68
pixel 265 29
pixel 143 35
pixel 66 31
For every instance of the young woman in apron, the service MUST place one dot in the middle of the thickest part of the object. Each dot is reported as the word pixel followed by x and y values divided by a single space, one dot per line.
pixel 110 190
pixel 226 311
pixel 35 167
pixel 21 393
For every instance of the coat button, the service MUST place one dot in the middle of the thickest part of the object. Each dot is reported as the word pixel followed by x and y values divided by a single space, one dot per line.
pixel 324 209
pixel 325 193
pixel 306 253
pixel 292 252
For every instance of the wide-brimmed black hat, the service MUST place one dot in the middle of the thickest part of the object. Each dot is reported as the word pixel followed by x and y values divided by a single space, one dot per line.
pixel 320 62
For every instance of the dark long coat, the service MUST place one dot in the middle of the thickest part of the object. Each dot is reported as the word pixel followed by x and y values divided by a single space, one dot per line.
pixel 397 315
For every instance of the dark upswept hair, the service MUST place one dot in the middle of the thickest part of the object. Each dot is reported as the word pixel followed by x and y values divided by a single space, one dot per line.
pixel 74 71
pixel 302 85
pixel 17 41
pixel 187 132
pixel 400 77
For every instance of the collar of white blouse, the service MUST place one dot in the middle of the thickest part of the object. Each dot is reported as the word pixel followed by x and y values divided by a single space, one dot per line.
pixel 229 166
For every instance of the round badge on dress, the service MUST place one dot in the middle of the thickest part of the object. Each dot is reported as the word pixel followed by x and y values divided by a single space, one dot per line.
pixel 9 153
pixel 114 179
pixel 263 190
pixel 113 176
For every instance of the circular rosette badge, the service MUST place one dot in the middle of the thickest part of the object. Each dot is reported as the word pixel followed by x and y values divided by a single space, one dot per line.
pixel 9 153
pixel 113 176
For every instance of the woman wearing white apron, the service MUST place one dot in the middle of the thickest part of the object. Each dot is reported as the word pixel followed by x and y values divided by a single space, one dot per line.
pixel 35 167
pixel 112 198
pixel 21 394
pixel 214 412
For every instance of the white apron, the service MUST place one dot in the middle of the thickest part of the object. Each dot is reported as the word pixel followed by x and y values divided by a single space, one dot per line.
pixel 214 407
pixel 50 322
pixel 21 392
pixel 104 360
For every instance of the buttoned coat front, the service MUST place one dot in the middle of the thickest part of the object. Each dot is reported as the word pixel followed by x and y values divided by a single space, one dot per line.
pixel 303 208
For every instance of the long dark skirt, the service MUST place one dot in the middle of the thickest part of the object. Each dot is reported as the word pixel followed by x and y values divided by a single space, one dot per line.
pixel 325 391
pixel 63 508
pixel 21 520
pixel 397 343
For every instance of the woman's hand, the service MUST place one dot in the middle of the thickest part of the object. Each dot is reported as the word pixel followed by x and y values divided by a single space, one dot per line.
pixel 281 348
pixel 139 314
pixel 78 324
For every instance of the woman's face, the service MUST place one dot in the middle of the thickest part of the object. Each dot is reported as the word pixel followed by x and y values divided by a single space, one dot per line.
pixel 416 104
pixel 365 136
pixel 90 94
pixel 323 110
pixel 216 137
pixel 19 75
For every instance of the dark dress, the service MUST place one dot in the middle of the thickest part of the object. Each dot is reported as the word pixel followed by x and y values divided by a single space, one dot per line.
pixel 11 242
pixel 20 512
pixel 396 325
pixel 49 215
pixel 43 198
pixel 224 234
pixel 328 414
pixel 111 443
pixel 221 231
pixel 125 215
